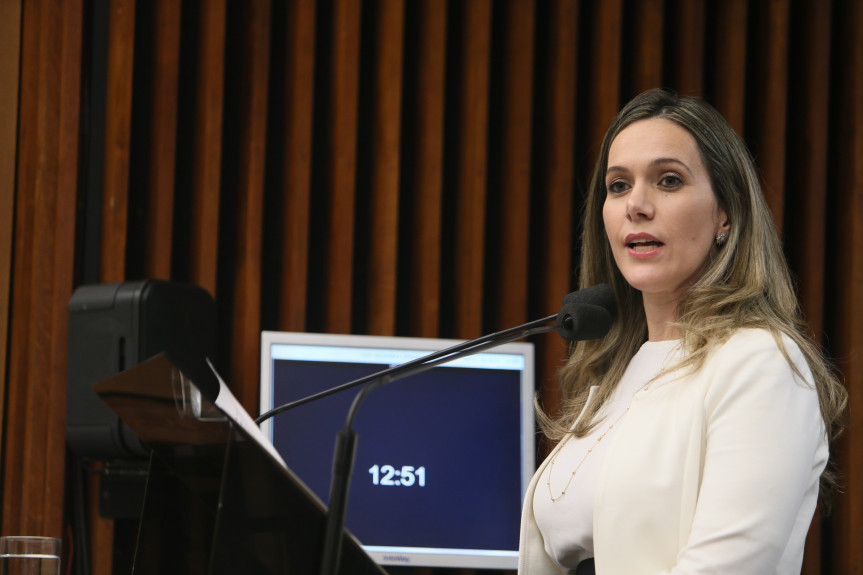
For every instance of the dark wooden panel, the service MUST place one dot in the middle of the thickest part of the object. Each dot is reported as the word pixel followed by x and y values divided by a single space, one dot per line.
pixel 772 100
pixel 605 77
pixel 34 449
pixel 341 170
pixel 208 145
pixel 10 52
pixel 427 181
pixel 730 74
pixel 809 172
pixel 847 553
pixel 246 325
pixel 649 23
pixel 118 132
pixel 686 43
pixel 386 139
pixel 471 177
pixel 163 138
pixel 299 105
pixel 558 192
pixel 515 174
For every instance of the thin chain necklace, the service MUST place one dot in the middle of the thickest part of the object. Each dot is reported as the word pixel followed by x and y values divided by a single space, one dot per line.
pixel 595 443
pixel 580 463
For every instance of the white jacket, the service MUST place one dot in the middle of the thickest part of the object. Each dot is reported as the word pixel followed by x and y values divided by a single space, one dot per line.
pixel 713 473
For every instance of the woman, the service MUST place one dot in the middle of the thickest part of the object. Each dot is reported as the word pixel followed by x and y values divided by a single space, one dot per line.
pixel 694 436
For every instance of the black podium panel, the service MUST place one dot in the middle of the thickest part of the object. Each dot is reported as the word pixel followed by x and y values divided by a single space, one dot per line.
pixel 217 501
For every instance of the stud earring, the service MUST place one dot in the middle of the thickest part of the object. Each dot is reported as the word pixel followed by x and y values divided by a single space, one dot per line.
pixel 721 238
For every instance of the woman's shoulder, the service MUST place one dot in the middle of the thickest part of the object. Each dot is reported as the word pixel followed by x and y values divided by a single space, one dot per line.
pixel 748 341
pixel 759 352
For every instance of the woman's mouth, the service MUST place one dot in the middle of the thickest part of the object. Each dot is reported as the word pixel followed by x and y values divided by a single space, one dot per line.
pixel 643 245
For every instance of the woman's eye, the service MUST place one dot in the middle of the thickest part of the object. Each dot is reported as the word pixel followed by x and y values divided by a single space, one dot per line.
pixel 616 187
pixel 670 181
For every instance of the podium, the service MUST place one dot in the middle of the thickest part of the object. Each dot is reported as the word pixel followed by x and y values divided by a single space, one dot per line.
pixel 219 500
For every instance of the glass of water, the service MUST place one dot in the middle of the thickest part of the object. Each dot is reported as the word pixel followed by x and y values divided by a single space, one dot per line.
pixel 29 556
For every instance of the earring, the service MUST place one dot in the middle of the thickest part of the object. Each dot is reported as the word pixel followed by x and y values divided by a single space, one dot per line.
pixel 721 238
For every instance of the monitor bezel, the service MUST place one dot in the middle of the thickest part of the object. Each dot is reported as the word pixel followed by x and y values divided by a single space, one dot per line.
pixel 420 557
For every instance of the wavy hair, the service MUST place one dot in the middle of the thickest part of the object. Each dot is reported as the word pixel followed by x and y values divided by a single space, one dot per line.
pixel 747 283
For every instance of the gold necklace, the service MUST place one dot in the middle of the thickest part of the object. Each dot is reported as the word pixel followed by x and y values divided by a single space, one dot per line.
pixel 598 439
pixel 580 463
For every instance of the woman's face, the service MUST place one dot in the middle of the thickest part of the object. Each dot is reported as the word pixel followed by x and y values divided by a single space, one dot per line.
pixel 660 212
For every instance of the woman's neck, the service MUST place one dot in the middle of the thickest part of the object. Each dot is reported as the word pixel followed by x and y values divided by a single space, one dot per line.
pixel 661 314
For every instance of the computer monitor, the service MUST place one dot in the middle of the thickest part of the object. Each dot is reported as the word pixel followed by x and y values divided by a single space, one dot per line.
pixel 443 457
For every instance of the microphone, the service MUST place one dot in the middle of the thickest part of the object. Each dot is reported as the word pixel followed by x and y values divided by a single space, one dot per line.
pixel 585 314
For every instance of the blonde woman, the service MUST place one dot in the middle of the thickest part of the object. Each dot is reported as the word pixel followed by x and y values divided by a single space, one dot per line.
pixel 694 437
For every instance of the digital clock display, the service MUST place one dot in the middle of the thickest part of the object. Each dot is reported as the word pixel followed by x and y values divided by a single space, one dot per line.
pixel 405 476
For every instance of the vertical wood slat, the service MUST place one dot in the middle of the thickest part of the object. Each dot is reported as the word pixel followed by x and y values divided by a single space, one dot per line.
pixel 386 162
pixel 848 511
pixel 208 145
pixel 118 135
pixel 163 138
pixel 771 115
pixel 471 178
pixel 649 30
pixel 512 254
pixel 810 172
pixel 557 234
pixel 115 182
pixel 65 206
pixel 730 80
pixel 341 170
pixel 688 47
pixel 427 183
pixel 10 50
pixel 45 230
pixel 604 89
pixel 19 443
pixel 253 143
pixel 299 108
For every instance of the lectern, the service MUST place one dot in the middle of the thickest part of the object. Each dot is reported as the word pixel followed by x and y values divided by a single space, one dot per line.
pixel 218 500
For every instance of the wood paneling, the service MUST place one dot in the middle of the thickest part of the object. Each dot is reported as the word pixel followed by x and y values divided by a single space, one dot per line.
pixel 34 447
pixel 471 176
pixel 296 192
pixel 427 183
pixel 385 167
pixel 10 52
pixel 341 165
pixel 512 242
pixel 246 324
pixel 382 166
pixel 163 138
pixel 207 168
pixel 730 74
pixel 848 522
pixel 557 182
pixel 118 134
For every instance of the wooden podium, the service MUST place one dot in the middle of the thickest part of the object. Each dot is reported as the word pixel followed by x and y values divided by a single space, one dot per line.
pixel 219 500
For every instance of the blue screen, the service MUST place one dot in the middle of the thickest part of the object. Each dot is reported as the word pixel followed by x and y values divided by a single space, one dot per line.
pixel 457 428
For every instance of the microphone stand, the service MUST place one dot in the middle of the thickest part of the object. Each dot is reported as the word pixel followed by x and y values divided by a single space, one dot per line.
pixel 345 451
pixel 586 314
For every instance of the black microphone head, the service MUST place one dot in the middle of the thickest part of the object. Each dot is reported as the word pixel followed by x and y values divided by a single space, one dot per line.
pixel 587 313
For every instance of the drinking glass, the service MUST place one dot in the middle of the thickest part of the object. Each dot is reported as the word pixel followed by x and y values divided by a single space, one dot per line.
pixel 29 556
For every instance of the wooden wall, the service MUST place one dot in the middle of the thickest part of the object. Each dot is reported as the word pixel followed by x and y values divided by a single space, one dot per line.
pixel 408 167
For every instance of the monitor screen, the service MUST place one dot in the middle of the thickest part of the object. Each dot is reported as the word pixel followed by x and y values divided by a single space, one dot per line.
pixel 443 457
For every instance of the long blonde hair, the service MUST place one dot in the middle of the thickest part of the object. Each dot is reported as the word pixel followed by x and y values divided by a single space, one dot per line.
pixel 746 284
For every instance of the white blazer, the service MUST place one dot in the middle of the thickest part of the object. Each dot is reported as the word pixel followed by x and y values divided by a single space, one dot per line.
pixel 716 472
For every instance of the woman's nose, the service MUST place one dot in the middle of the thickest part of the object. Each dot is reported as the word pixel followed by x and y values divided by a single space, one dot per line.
pixel 639 203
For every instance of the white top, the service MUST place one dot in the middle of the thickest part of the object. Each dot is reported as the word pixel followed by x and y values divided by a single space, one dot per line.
pixel 713 472
pixel 566 519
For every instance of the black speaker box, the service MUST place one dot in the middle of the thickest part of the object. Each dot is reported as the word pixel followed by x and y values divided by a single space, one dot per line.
pixel 113 327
